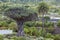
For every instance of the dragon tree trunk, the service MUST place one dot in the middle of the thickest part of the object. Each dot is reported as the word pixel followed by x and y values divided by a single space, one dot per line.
pixel 20 28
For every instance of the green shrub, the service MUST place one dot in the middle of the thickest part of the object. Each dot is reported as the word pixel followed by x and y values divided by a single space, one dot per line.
pixel 1 37
pixel 30 24
pixel 57 37
pixel 12 26
pixel 3 24
pixel 33 31
pixel 17 38
pixel 58 24
pixel 48 39
pixel 49 35
pixel 50 29
pixel 48 24
pixel 35 24
pixel 38 24
pixel 26 30
pixel 14 38
pixel 21 38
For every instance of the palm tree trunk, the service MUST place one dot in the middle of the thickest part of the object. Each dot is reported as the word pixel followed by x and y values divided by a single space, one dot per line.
pixel 42 24
pixel 20 28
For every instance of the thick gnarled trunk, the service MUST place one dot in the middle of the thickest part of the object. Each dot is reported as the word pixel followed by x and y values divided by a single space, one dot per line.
pixel 20 28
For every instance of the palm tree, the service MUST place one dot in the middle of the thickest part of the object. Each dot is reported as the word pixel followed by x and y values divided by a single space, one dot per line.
pixel 43 9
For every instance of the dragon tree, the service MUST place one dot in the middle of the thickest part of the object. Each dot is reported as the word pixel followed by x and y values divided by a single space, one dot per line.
pixel 21 15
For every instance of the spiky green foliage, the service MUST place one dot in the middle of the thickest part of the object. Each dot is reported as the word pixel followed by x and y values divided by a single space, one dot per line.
pixel 20 13
pixel 43 7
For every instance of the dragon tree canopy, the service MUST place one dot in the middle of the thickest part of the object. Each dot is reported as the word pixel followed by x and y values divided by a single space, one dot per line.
pixel 21 13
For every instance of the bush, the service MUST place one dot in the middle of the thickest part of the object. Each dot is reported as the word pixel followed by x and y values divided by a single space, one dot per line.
pixel 3 24
pixel 18 38
pixel 14 38
pixel 33 31
pixel 21 38
pixel 38 24
pixel 49 35
pixel 30 24
pixel 33 24
pixel 58 24
pixel 1 37
pixel 50 29
pixel 13 26
pixel 57 37
pixel 26 30
pixel 48 24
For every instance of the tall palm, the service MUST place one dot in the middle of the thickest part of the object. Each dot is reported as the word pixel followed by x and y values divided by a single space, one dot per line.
pixel 43 9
